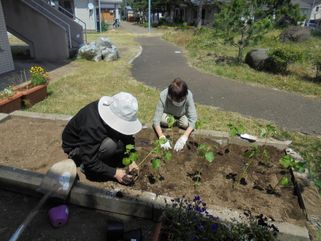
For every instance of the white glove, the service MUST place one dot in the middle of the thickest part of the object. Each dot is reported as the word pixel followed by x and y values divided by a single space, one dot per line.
pixel 180 143
pixel 167 144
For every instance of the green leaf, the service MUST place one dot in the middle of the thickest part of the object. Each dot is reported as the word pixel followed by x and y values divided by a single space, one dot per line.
pixel 286 161
pixel 170 121
pixel 263 132
pixel 156 163
pixel 129 148
pixel 168 156
pixel 133 156
pixel 126 161
pixel 284 181
pixel 209 156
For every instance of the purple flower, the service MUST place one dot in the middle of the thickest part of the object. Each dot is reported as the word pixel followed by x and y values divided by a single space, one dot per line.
pixel 214 227
pixel 197 198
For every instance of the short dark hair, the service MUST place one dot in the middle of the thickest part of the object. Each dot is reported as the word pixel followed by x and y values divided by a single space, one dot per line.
pixel 178 89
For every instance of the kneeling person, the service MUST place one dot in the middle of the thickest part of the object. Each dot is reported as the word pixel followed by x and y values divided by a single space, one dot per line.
pixel 96 137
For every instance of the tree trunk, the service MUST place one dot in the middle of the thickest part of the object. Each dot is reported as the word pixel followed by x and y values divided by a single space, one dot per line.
pixel 199 14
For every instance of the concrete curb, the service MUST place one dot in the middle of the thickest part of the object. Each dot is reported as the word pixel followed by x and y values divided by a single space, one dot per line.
pixel 3 116
pixel 130 202
pixel 137 55
pixel 37 115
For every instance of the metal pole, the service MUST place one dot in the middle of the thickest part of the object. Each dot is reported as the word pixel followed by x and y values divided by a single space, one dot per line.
pixel 99 12
pixel 149 7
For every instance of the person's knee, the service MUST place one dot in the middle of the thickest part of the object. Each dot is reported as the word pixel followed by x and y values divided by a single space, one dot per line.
pixel 107 148
pixel 183 122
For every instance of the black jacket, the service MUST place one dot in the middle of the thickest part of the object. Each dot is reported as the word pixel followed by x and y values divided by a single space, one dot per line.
pixel 87 130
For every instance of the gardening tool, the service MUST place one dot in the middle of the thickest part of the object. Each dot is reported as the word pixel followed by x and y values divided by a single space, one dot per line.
pixel 56 183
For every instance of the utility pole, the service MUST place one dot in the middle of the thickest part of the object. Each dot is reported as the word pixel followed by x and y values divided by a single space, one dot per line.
pixel 149 8
pixel 99 12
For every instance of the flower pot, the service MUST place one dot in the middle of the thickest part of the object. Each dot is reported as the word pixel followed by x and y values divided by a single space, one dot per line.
pixel 11 103
pixel 33 95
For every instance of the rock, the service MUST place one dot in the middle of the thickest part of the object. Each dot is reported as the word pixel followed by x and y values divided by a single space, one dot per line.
pixel 101 49
pixel 295 34
pixel 256 58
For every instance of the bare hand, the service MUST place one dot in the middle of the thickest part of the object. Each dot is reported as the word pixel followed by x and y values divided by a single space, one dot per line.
pixel 133 166
pixel 119 175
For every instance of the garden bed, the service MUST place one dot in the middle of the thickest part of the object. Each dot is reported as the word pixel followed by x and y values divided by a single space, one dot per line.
pixel 35 144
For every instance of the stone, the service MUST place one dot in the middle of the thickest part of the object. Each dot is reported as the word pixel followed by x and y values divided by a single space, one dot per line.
pixel 256 58
pixel 101 49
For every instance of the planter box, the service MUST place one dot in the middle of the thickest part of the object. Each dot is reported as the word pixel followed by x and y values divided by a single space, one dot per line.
pixel 31 95
pixel 11 103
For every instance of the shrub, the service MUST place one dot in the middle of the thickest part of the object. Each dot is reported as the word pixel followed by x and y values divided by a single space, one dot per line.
pixel 279 58
pixel 104 26
pixel 295 34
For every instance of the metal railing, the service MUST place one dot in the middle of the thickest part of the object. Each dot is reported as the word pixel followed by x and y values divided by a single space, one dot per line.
pixel 74 17
pixel 28 2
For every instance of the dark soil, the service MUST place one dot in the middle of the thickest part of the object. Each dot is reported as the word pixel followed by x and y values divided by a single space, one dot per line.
pixel 35 144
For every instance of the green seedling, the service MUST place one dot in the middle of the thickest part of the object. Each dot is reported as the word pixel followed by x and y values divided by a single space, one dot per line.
pixel 131 155
pixel 235 130
pixel 205 152
pixel 170 123
pixel 267 132
pixel 162 154
pixel 289 162
pixel 251 154
pixel 284 181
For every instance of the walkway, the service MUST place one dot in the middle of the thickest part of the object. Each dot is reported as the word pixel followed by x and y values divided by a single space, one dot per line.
pixel 160 62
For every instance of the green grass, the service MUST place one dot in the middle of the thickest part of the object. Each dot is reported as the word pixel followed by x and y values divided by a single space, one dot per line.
pixel 203 48
pixel 92 80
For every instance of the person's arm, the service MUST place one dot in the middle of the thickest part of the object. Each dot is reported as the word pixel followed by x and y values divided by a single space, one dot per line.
pixel 157 118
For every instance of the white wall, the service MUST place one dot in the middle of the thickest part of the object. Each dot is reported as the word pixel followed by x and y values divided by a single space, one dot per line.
pixel 6 62
pixel 82 12
pixel 316 12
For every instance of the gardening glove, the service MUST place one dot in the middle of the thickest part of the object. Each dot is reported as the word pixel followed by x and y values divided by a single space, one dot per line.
pixel 180 143
pixel 167 144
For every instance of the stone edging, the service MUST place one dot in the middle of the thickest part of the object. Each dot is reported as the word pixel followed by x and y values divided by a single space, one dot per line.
pixel 128 202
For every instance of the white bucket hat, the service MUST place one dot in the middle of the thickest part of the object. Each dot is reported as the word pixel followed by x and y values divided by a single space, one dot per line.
pixel 119 112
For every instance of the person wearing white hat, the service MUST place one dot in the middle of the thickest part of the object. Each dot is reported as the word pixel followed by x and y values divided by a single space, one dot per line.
pixel 176 100
pixel 96 137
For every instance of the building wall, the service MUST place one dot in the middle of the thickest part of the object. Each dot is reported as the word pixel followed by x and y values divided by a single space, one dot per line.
pixel 6 62
pixel 86 15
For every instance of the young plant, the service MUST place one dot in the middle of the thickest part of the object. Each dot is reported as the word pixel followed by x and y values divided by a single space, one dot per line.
pixel 251 154
pixel 130 155
pixel 206 153
pixel 235 130
pixel 267 132
pixel 6 92
pixel 170 123
pixel 289 162
pixel 284 181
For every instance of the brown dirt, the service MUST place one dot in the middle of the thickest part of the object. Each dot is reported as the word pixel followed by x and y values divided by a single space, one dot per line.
pixel 35 144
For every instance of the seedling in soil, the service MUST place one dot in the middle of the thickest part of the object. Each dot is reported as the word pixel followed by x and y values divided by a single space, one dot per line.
pixel 235 130
pixel 284 181
pixel 156 162
pixel 267 132
pixel 170 123
pixel 289 162
pixel 131 156
pixel 205 152
pixel 196 177
pixel 250 154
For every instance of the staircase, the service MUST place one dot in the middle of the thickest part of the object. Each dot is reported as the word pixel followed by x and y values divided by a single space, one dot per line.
pixel 50 34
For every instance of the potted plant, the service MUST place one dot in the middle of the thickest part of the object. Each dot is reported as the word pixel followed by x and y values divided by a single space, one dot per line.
pixel 35 89
pixel 10 100
pixel 190 221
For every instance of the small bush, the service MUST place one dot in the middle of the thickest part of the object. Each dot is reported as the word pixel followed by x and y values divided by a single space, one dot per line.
pixel 39 75
pixel 295 34
pixel 279 58
pixel 104 26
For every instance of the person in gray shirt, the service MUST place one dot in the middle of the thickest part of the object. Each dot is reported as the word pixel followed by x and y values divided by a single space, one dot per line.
pixel 176 100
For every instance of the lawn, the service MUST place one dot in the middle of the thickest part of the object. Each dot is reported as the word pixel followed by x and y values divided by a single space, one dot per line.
pixel 202 48
pixel 92 80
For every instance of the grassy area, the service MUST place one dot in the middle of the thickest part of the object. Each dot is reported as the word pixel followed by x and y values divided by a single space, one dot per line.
pixel 203 49
pixel 92 80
